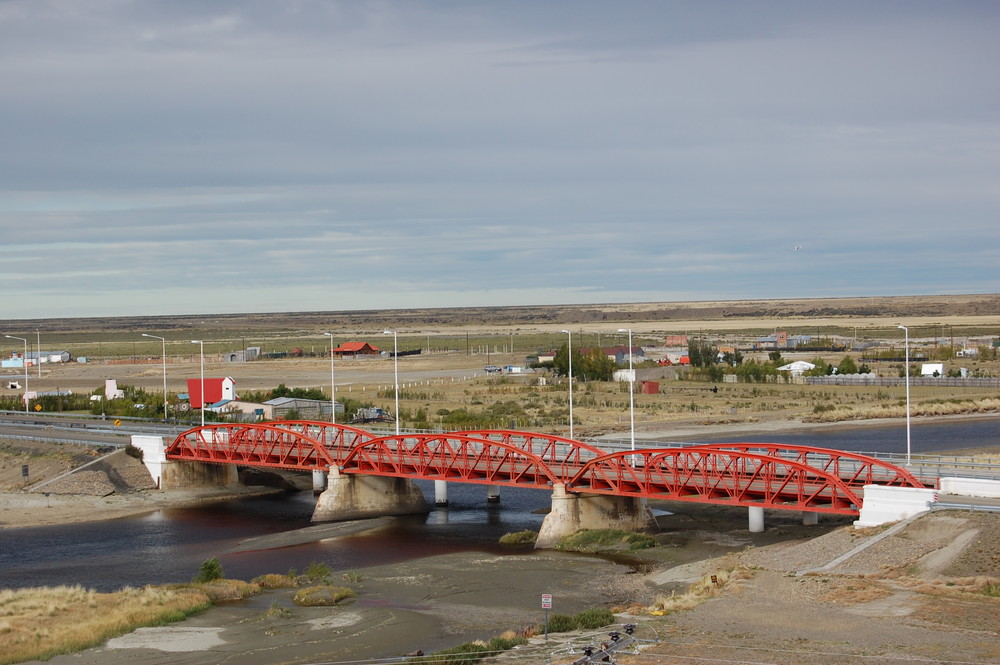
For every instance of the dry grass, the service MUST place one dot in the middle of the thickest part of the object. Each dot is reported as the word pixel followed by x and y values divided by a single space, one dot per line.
pixel 227 590
pixel 276 581
pixel 855 592
pixel 38 623
pixel 707 587
pixel 930 408
pixel 322 596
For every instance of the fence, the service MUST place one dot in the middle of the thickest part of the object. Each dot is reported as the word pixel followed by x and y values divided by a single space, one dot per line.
pixel 869 380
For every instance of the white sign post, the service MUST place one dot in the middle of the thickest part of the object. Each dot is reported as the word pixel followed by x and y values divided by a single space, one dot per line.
pixel 546 605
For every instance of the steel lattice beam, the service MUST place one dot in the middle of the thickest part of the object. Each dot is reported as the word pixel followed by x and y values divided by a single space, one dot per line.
pixel 746 474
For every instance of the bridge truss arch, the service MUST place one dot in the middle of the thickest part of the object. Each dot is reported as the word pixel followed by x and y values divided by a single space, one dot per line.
pixel 717 476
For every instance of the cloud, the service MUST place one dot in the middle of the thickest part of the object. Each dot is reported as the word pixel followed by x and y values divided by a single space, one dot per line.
pixel 430 154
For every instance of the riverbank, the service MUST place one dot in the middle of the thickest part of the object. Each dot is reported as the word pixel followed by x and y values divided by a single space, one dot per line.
pixel 917 593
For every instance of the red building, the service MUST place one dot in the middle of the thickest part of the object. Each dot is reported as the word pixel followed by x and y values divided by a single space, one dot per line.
pixel 216 390
pixel 356 349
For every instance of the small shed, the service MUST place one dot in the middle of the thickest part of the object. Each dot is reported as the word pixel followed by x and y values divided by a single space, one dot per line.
pixel 797 368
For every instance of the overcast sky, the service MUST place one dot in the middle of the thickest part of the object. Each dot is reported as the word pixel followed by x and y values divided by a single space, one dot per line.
pixel 184 156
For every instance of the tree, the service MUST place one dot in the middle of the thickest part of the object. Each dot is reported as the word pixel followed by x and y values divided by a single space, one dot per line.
pixel 847 366
pixel 702 354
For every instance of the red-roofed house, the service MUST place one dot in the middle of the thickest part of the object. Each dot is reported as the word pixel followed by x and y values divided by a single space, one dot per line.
pixel 356 349
pixel 216 390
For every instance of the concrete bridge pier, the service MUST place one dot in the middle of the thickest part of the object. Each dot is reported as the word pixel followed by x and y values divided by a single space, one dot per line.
pixel 170 474
pixel 756 518
pixel 319 481
pixel 492 494
pixel 354 496
pixel 440 493
pixel 572 512
pixel 810 518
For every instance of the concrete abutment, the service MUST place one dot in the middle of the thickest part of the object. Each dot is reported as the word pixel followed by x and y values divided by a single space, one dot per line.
pixel 572 512
pixel 355 496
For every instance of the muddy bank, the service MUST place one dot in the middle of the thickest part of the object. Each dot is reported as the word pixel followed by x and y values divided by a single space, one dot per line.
pixel 428 604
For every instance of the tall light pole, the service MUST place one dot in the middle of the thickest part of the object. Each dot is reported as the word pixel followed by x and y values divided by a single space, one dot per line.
pixel 333 384
pixel 570 347
pixel 164 358
pixel 395 373
pixel 201 343
pixel 38 351
pixel 24 361
pixel 631 387
pixel 906 347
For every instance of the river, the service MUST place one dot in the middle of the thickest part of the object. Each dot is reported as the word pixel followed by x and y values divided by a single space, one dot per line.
pixel 169 545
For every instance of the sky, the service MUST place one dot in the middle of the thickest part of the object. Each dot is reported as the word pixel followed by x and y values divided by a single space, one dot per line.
pixel 185 157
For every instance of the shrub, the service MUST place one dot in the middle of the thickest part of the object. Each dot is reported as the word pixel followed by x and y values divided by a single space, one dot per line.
pixel 211 569
pixel 276 581
pixel 526 537
pixel 317 570
pixel 596 617
pixel 561 623
pixel 593 540
pixel 322 596
pixel 228 590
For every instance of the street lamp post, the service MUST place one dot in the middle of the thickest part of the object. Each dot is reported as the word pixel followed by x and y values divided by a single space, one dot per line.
pixel 395 374
pixel 164 359
pixel 631 387
pixel 333 384
pixel 570 349
pixel 906 351
pixel 201 344
pixel 24 361
pixel 38 351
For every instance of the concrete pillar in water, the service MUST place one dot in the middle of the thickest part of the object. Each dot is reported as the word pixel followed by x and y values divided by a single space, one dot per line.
pixel 354 496
pixel 440 493
pixel 809 518
pixel 756 516
pixel 492 494
pixel 319 481
pixel 572 512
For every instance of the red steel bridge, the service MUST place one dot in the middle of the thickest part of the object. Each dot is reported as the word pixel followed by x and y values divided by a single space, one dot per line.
pixel 740 474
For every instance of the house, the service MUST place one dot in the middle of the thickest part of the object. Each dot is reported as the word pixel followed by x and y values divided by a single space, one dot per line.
pixel 356 349
pixel 620 354
pixel 308 409
pixel 781 340
pixel 39 357
pixel 216 390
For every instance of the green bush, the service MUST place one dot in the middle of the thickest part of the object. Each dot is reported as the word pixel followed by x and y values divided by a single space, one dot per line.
pixel 593 540
pixel 318 570
pixel 210 570
pixel 561 623
pixel 526 537
pixel 596 617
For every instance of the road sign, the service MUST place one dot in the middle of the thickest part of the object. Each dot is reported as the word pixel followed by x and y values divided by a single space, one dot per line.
pixel 118 423
pixel 38 407
pixel 546 601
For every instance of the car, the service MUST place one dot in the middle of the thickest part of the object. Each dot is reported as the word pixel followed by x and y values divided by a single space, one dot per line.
pixel 492 369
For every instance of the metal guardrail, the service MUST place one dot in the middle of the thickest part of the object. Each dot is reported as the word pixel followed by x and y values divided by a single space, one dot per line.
pixel 971 507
